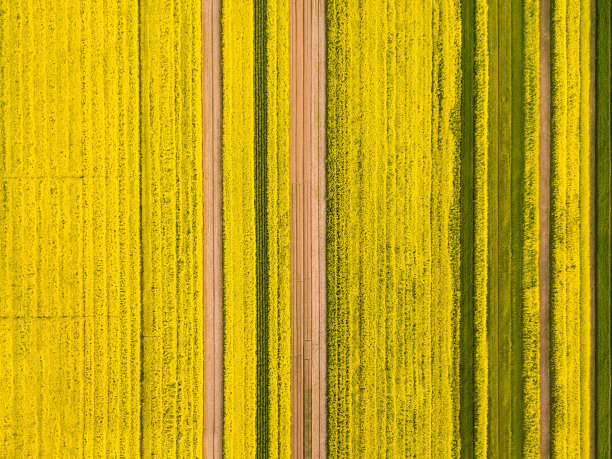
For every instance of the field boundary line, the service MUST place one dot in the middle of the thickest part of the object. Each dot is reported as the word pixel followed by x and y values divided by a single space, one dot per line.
pixel 544 203
pixel 308 225
pixel 213 243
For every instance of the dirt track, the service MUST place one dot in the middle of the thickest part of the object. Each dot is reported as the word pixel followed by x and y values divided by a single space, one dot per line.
pixel 307 146
pixel 213 262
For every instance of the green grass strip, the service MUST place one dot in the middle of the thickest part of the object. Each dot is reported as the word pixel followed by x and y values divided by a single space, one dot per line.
pixel 494 230
pixel 603 221
pixel 507 217
pixel 261 224
pixel 513 310
pixel 474 229
pixel 584 311
pixel 500 293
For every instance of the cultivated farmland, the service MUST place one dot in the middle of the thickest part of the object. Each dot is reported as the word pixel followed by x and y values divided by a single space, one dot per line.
pixel 344 228
pixel 513 285
pixel 433 222
pixel 256 229
pixel 393 228
pixel 570 230
pixel 171 200
pixel 100 229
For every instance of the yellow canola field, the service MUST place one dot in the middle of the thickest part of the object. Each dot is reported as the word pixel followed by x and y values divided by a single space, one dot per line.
pixel 570 243
pixel 239 281
pixel 100 192
pixel 171 199
pixel 393 94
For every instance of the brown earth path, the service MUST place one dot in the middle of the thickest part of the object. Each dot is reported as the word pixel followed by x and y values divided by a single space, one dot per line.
pixel 307 171
pixel 544 204
pixel 213 263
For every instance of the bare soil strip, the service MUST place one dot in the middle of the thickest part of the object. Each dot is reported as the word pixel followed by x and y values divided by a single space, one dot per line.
pixel 307 169
pixel 213 265
pixel 544 262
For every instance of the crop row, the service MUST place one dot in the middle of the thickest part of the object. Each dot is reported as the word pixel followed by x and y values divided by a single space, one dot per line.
pixel 239 261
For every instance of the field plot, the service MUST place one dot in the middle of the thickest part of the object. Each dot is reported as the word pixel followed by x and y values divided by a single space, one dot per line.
pixel 100 191
pixel 171 168
pixel 513 289
pixel 69 229
pixel 473 203
pixel 433 300
pixel 570 246
pixel 255 66
pixel 393 91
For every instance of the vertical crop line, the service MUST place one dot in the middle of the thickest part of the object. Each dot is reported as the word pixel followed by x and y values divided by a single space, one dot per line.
pixel 516 216
pixel 467 231
pixel 261 224
pixel 140 216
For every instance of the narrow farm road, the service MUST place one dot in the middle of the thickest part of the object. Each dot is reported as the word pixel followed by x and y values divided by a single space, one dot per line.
pixel 307 172
pixel 213 243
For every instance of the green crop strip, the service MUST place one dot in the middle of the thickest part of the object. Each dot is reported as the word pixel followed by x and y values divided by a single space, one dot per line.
pixel 513 226
pixel 467 231
pixel 474 228
pixel 603 222
pixel 261 225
